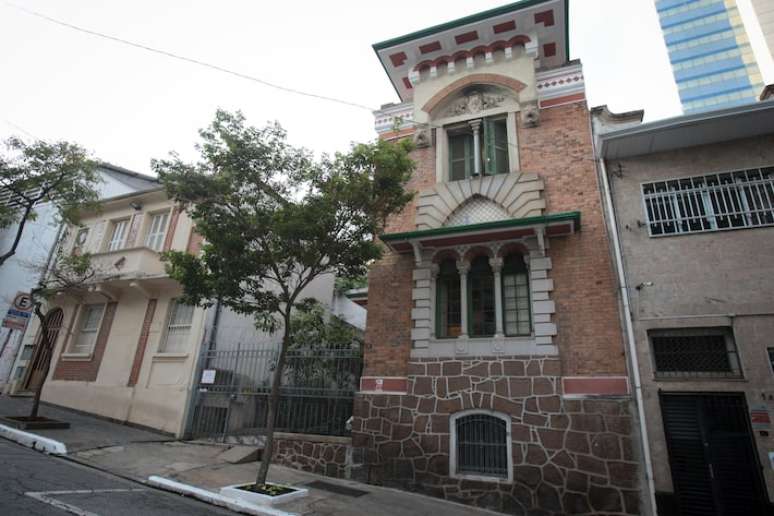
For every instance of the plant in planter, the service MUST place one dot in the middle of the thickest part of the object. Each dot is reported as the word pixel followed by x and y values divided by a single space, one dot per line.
pixel 264 494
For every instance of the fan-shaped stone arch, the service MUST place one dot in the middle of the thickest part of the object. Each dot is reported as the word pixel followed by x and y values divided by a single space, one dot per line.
pixel 519 195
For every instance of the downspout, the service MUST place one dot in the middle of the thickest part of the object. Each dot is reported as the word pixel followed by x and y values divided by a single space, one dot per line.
pixel 634 365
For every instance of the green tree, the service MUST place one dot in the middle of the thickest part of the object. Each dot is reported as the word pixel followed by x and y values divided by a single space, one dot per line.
pixel 274 219
pixel 60 173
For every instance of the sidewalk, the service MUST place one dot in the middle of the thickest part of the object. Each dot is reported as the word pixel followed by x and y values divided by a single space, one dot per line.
pixel 138 454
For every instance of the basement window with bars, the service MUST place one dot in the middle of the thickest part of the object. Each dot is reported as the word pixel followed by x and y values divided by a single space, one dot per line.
pixel 731 200
pixel 481 445
pixel 695 352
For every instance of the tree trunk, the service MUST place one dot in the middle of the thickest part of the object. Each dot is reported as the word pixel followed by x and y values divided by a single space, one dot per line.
pixel 45 345
pixel 271 417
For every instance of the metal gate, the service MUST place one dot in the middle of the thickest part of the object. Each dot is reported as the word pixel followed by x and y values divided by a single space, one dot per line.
pixel 715 469
pixel 42 354
pixel 316 396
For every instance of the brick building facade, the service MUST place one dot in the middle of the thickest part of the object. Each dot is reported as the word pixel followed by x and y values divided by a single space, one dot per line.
pixel 494 365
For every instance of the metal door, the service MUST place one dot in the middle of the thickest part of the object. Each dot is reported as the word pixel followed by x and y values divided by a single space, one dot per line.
pixel 37 369
pixel 715 469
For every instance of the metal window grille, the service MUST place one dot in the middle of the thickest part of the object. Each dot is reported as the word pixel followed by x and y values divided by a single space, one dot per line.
pixel 482 447
pixel 695 352
pixel 87 336
pixel 731 200
pixel 178 327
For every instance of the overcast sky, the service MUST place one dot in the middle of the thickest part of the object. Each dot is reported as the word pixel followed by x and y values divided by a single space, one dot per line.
pixel 127 105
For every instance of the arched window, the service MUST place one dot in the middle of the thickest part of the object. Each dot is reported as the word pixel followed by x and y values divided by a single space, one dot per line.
pixel 516 310
pixel 448 306
pixel 482 298
pixel 481 444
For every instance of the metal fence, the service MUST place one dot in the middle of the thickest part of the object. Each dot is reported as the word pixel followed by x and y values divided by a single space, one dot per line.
pixel 316 396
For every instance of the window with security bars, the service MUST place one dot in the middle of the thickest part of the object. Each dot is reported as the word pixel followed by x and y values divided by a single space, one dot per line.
pixel 695 352
pixel 481 445
pixel 86 338
pixel 178 328
pixel 714 202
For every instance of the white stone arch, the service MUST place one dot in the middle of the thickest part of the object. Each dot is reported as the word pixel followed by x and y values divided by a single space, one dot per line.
pixel 520 195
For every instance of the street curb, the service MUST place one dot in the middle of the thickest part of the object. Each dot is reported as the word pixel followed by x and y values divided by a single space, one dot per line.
pixel 214 498
pixel 34 441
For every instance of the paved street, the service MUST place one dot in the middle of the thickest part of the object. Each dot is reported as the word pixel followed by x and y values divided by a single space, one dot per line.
pixel 37 484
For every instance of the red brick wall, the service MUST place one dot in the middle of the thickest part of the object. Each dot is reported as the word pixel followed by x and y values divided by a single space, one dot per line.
pixel 86 370
pixel 559 149
pixel 142 342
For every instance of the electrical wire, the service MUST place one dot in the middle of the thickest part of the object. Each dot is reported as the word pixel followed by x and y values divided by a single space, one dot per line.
pixel 186 59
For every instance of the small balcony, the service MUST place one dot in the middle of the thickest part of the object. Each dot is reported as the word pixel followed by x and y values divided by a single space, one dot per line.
pixel 134 263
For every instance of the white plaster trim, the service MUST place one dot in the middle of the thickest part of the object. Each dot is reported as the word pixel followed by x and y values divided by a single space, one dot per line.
pixel 453 445
pixel 484 346
pixel 34 441
pixel 214 498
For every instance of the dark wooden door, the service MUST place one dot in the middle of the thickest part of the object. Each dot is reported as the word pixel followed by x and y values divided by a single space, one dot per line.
pixel 37 368
pixel 715 468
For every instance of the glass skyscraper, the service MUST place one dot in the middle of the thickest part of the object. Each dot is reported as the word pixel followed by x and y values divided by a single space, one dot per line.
pixel 712 61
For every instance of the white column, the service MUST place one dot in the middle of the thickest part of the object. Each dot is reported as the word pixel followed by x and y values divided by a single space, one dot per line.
pixel 476 126
pixel 497 267
pixel 463 267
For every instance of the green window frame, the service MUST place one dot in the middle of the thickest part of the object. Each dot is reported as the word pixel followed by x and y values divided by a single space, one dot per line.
pixel 461 156
pixel 517 314
pixel 448 304
pixel 481 298
pixel 494 149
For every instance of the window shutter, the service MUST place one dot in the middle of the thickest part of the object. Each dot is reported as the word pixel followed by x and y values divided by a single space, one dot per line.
pixel 500 147
pixel 489 147
pixel 460 157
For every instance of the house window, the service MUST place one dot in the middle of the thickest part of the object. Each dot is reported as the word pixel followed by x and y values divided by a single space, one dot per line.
pixel 178 328
pixel 156 231
pixel 481 445
pixel 771 358
pixel 713 202
pixel 86 338
pixel 478 147
pixel 448 306
pixel 516 309
pixel 482 298
pixel 709 352
pixel 118 236
pixel 80 241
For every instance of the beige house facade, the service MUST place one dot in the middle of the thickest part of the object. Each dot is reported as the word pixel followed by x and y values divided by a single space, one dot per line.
pixel 126 349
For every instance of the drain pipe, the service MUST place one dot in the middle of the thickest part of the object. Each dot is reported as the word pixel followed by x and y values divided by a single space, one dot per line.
pixel 632 348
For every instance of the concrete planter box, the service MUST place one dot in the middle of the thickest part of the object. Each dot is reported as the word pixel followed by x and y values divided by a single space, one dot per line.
pixel 39 423
pixel 262 499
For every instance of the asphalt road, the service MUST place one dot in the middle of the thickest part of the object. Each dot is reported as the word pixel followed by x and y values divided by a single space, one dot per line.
pixel 32 483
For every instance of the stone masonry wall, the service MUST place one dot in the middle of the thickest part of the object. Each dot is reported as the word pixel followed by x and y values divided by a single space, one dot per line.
pixel 569 456
pixel 317 454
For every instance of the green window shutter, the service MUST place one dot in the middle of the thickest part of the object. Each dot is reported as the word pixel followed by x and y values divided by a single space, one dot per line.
pixel 460 156
pixel 500 147
pixel 489 147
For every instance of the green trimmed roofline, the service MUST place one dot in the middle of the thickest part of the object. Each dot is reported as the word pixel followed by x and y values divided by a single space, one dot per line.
pixel 473 18
pixel 573 216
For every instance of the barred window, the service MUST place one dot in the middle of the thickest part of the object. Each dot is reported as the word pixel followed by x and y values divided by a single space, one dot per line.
pixel 178 328
pixel 695 352
pixel 481 444
pixel 731 200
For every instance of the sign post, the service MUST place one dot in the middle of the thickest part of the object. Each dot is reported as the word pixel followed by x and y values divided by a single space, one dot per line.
pixel 19 313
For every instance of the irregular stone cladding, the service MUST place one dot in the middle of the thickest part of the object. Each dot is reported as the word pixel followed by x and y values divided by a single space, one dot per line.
pixel 569 456
pixel 323 458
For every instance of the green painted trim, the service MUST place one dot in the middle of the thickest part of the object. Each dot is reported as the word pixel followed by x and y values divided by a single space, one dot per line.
pixel 516 6
pixel 473 18
pixel 573 216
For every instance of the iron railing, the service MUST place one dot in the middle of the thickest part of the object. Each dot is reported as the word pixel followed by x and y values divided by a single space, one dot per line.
pixel 711 202
pixel 482 447
pixel 316 395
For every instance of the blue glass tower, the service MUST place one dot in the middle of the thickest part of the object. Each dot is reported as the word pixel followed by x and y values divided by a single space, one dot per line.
pixel 712 61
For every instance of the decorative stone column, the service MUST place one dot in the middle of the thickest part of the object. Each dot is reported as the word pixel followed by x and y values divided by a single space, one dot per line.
pixel 463 267
pixel 497 267
pixel 476 126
